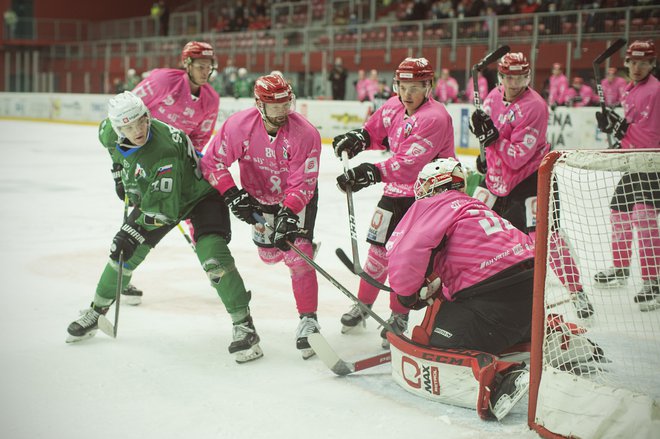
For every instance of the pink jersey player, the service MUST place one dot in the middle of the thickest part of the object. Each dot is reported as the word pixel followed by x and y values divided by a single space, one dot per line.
pixel 613 88
pixel 636 200
pixel 278 152
pixel 579 94
pixel 482 83
pixel 558 86
pixel 417 130
pixel 184 98
pixel 446 90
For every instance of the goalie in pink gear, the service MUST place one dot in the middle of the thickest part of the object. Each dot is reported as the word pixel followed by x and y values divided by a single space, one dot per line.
pixel 278 153
pixel 417 129
pixel 636 201
pixel 513 124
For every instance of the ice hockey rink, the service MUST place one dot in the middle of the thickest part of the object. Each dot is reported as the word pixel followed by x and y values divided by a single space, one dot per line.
pixel 168 374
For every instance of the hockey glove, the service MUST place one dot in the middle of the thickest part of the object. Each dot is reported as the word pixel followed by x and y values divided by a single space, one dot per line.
pixel 126 241
pixel 286 226
pixel 359 177
pixel 431 291
pixel 611 123
pixel 353 142
pixel 481 165
pixel 242 204
pixel 483 127
pixel 116 176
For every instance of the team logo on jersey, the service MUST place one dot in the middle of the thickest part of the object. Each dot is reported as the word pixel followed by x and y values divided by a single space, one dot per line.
pixel 407 129
pixel 416 149
pixel 140 172
pixel 311 165
pixel 529 140
pixel 169 100
pixel 164 169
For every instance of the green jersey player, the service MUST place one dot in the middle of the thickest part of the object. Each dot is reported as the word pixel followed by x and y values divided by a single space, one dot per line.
pixel 162 179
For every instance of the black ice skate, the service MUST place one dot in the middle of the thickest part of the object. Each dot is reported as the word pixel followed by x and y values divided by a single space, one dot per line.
pixel 132 295
pixel 612 277
pixel 308 325
pixel 583 307
pixel 85 327
pixel 511 389
pixel 353 318
pixel 398 322
pixel 649 298
pixel 245 342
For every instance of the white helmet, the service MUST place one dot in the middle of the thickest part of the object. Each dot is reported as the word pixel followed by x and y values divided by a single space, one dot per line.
pixel 125 108
pixel 438 176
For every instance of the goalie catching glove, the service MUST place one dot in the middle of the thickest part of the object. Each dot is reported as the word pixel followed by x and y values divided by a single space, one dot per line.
pixel 611 123
pixel 353 142
pixel 359 177
pixel 431 291
pixel 242 204
pixel 482 126
pixel 126 241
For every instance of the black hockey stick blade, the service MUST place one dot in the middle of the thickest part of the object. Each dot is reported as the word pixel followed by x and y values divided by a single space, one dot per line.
pixel 618 44
pixel 341 367
pixel 492 57
pixel 343 257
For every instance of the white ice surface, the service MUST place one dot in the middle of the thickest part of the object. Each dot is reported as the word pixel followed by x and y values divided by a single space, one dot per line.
pixel 168 374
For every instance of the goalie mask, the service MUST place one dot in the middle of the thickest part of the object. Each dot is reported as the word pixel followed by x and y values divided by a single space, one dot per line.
pixel 129 118
pixel 438 176
pixel 274 99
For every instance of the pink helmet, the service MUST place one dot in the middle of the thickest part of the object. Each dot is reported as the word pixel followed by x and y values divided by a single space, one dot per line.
pixel 513 63
pixel 414 69
pixel 196 50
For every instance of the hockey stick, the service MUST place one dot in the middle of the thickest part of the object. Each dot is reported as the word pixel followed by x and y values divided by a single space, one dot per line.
pixel 476 99
pixel 618 44
pixel 354 265
pixel 341 367
pixel 103 323
pixel 185 235
pixel 331 279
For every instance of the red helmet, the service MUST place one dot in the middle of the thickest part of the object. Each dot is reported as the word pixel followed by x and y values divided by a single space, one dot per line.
pixel 414 69
pixel 513 63
pixel 641 50
pixel 272 89
pixel 196 50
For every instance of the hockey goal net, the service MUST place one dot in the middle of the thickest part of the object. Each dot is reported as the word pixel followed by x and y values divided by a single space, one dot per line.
pixel 595 376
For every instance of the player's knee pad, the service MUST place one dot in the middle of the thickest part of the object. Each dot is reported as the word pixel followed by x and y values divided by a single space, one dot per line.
pixel 216 270
pixel 297 265
pixel 376 264
pixel 270 255
pixel 215 257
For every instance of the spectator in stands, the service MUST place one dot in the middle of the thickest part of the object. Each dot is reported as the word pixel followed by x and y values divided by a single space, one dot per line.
pixel 483 88
pixel 229 74
pixel 558 87
pixel 361 86
pixel 613 88
pixel 337 78
pixel 243 86
pixel 446 90
pixel 442 9
pixel 579 94
pixel 156 13
pixel 10 23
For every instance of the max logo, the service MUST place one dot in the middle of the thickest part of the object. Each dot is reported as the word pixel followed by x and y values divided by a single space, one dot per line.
pixel 418 377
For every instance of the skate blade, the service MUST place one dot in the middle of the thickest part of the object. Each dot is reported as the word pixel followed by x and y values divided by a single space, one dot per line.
pixel 250 354
pixel 131 300
pixel 650 306
pixel 507 402
pixel 76 338
pixel 611 284
pixel 307 353
pixel 346 329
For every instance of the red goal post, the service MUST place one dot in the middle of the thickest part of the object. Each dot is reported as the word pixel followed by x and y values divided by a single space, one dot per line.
pixel 618 395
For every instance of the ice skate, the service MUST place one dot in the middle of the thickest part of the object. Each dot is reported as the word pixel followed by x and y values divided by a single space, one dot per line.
pixel 132 295
pixel 583 307
pixel 612 277
pixel 398 322
pixel 511 389
pixel 649 298
pixel 308 325
pixel 353 318
pixel 85 327
pixel 245 342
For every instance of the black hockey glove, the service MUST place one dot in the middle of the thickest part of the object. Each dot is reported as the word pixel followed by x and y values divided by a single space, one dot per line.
pixel 126 241
pixel 359 177
pixel 286 226
pixel 483 127
pixel 612 123
pixel 116 176
pixel 242 204
pixel 353 142
pixel 427 294
pixel 481 165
